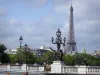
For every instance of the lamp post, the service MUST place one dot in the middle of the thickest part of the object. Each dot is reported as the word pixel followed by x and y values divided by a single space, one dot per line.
pixel 20 40
pixel 58 41
pixel 64 48
pixel 26 48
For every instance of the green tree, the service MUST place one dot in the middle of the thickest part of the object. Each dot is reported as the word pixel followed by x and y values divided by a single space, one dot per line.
pixel 19 54
pixel 13 58
pixel 25 56
pixel 48 57
pixel 4 58
pixel 69 60
pixel 39 60
pixel 28 57
pixel 81 59
pixel 2 49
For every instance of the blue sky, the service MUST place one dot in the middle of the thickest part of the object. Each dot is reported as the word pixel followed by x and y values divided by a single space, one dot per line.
pixel 38 20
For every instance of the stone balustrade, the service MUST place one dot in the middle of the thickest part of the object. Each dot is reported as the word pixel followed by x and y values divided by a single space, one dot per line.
pixel 21 68
pixel 64 69
pixel 3 66
pixel 70 69
pixel 16 67
pixel 93 70
pixel 81 69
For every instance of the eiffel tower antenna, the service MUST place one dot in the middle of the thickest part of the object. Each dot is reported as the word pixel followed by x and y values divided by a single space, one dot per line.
pixel 71 2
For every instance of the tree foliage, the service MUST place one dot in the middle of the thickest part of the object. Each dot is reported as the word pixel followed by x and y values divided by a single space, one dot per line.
pixel 25 56
pixel 69 60
pixel 81 59
pixel 47 57
pixel 4 58
pixel 39 60
pixel 13 58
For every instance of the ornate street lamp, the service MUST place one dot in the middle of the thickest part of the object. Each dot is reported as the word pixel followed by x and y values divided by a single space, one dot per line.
pixel 26 48
pixel 58 41
pixel 20 40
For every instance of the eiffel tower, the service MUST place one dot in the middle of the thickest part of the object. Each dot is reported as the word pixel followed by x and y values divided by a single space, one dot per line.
pixel 71 44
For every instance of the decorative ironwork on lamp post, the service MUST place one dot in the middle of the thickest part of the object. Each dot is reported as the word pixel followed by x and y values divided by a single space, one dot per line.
pixel 26 49
pixel 58 41
pixel 20 40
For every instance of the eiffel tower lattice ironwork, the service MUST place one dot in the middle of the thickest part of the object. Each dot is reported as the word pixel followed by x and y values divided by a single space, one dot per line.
pixel 71 44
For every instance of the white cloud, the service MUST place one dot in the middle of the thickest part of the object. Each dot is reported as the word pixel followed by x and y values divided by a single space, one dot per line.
pixel 12 21
pixel 3 12
pixel 34 3
pixel 61 8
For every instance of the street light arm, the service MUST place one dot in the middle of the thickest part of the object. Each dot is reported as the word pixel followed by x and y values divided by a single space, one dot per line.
pixel 52 39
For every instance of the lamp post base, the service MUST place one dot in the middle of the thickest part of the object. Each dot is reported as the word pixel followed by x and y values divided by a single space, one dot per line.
pixel 58 55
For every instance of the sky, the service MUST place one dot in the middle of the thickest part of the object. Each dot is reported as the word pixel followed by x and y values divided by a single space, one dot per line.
pixel 38 20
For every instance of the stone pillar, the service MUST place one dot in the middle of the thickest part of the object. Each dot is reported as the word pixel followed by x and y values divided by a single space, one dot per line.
pixel 81 69
pixel 56 67
pixel 23 67
pixel 8 67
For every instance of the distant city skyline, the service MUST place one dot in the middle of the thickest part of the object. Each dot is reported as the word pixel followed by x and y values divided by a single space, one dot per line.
pixel 38 20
